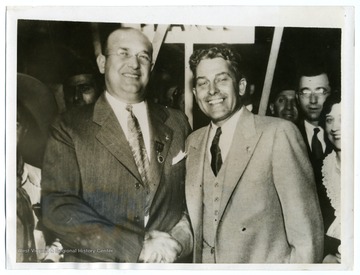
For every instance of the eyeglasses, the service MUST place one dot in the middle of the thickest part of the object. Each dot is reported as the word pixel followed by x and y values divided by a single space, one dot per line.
pixel 318 92
pixel 143 57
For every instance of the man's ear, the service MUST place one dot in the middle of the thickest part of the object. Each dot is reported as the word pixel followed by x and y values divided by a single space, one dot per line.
pixel 242 86
pixel 101 60
pixel 272 108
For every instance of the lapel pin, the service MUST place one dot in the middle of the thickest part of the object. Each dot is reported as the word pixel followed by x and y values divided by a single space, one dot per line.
pixel 159 147
pixel 167 137
pixel 160 158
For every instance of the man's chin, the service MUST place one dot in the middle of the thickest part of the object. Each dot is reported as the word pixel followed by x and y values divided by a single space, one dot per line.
pixel 313 119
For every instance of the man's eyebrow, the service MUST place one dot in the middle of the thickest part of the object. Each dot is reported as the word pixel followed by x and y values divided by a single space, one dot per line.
pixel 222 73
pixel 321 87
pixel 200 77
pixel 145 51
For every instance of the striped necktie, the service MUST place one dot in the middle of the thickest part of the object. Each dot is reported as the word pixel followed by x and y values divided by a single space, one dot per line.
pixel 138 149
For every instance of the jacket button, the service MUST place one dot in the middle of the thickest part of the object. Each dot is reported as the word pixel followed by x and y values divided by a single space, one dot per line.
pixel 137 185
pixel 212 250
pixel 137 219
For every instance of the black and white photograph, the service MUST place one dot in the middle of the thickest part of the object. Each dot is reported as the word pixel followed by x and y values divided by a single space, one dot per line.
pixel 180 138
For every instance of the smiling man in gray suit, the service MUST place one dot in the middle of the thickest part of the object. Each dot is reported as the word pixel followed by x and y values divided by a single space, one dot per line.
pixel 250 188
pixel 113 176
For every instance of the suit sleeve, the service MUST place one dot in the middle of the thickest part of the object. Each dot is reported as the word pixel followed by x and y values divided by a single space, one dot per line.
pixel 182 230
pixel 182 233
pixel 79 227
pixel 295 184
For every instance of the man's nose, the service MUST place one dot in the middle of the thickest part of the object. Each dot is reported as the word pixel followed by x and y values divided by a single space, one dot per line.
pixel 213 89
pixel 313 98
pixel 288 104
pixel 133 62
pixel 78 95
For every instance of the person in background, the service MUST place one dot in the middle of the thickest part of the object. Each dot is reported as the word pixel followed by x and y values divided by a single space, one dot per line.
pixel 25 226
pixel 243 204
pixel 80 87
pixel 330 120
pixel 33 243
pixel 284 104
pixel 114 171
pixel 313 89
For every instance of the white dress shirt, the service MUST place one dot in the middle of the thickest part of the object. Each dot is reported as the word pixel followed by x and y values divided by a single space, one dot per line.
pixel 141 113
pixel 227 134
pixel 309 128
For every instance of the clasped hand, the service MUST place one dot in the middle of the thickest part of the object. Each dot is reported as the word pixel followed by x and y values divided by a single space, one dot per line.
pixel 159 247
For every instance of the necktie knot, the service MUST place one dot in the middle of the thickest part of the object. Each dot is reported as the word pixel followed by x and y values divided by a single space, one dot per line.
pixel 129 108
pixel 316 131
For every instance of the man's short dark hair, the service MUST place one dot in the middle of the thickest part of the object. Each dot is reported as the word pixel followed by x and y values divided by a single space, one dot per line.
pixel 278 87
pixel 311 68
pixel 221 51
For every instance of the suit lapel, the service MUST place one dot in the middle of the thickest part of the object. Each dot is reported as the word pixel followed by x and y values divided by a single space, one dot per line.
pixel 112 136
pixel 161 137
pixel 242 148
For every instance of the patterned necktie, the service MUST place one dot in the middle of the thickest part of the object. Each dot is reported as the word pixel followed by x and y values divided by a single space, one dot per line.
pixel 316 146
pixel 216 160
pixel 138 148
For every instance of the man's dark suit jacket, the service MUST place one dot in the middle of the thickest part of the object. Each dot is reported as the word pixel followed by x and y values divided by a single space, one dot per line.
pixel 328 212
pixel 92 193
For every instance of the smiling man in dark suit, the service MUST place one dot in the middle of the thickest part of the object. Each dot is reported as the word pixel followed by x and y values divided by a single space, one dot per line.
pixel 313 88
pixel 113 174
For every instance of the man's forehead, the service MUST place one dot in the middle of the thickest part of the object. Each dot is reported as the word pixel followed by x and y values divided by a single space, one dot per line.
pixel 128 38
pixel 287 93
pixel 317 80
pixel 213 67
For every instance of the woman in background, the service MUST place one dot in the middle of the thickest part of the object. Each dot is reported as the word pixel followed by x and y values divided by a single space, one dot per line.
pixel 331 171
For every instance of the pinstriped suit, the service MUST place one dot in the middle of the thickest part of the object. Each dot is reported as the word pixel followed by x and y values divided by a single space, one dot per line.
pixel 92 196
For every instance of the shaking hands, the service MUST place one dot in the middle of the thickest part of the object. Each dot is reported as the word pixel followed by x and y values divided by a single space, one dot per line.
pixel 159 247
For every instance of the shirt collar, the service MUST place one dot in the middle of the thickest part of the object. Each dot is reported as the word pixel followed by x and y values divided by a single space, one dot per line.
pixel 114 102
pixel 230 124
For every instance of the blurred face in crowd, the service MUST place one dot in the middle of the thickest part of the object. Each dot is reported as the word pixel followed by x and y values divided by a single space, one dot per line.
pixel 126 63
pixel 313 91
pixel 285 106
pixel 20 131
pixel 21 125
pixel 80 90
pixel 333 125
pixel 216 89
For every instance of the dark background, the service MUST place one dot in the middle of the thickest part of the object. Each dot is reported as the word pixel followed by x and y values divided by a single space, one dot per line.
pixel 53 50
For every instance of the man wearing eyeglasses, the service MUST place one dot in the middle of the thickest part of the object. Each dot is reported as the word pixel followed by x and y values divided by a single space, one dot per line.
pixel 114 171
pixel 314 88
